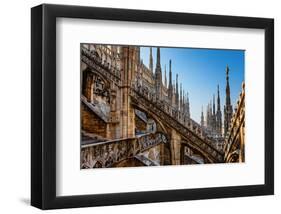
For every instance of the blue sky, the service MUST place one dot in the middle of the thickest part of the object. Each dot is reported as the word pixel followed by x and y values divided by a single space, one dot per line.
pixel 200 71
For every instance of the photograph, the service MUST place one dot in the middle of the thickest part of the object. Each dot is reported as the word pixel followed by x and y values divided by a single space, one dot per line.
pixel 135 106
pixel 157 106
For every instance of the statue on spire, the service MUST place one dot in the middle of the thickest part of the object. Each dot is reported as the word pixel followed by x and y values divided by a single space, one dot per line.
pixel 228 107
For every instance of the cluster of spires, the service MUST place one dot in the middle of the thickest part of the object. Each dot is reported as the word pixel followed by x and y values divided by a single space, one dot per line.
pixel 176 97
pixel 213 116
pixel 179 99
pixel 213 120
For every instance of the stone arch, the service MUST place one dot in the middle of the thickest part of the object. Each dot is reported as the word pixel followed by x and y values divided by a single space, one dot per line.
pixel 233 157
pixel 166 153
pixel 187 158
pixel 197 149
pixel 160 126
pixel 155 118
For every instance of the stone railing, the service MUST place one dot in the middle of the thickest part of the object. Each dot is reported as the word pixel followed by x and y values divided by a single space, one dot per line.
pixel 105 154
pixel 188 128
pixel 165 106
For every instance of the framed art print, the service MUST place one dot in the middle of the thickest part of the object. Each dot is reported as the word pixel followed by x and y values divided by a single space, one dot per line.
pixel 133 106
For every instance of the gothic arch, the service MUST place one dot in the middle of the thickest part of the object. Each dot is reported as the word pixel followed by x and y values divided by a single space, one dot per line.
pixel 193 152
pixel 158 122
pixel 197 149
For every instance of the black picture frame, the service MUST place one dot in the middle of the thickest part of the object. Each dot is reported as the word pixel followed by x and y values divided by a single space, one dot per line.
pixel 43 106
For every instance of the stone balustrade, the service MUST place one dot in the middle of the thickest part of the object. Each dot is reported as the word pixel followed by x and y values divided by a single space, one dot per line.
pixel 105 154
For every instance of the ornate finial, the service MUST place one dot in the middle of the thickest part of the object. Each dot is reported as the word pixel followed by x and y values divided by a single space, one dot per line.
pixel 228 106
